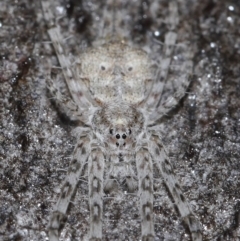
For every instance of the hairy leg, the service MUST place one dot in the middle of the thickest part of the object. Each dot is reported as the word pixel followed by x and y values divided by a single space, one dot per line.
pixel 155 102
pixel 145 180
pixel 63 102
pixel 169 45
pixel 79 159
pixel 76 87
pixel 95 178
pixel 163 164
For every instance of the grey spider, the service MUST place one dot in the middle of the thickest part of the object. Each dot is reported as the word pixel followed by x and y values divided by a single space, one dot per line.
pixel 115 91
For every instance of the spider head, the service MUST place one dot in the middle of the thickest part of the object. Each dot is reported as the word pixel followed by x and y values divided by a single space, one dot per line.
pixel 118 128
pixel 120 138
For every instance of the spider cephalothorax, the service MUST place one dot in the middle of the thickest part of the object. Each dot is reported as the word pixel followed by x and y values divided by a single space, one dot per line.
pixel 118 127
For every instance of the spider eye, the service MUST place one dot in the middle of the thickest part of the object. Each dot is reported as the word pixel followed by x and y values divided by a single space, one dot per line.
pixel 129 131
pixel 103 67
pixel 117 144
pixel 117 136
pixel 111 131
pixel 130 68
pixel 124 136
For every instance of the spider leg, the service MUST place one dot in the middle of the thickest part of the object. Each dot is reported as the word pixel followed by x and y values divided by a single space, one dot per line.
pixel 169 45
pixel 162 162
pixel 173 100
pixel 66 105
pixel 155 101
pixel 76 87
pixel 145 177
pixel 95 177
pixel 79 159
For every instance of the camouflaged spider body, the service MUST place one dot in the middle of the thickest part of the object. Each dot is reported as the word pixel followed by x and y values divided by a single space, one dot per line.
pixel 115 91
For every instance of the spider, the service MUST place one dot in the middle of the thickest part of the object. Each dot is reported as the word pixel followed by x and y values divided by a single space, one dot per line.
pixel 116 92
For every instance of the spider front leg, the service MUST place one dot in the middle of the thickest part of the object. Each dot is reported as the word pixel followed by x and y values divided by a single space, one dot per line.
pixel 75 85
pixel 170 39
pixel 145 178
pixel 95 178
pixel 75 169
pixel 164 166
pixel 155 102
pixel 173 100
pixel 63 103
